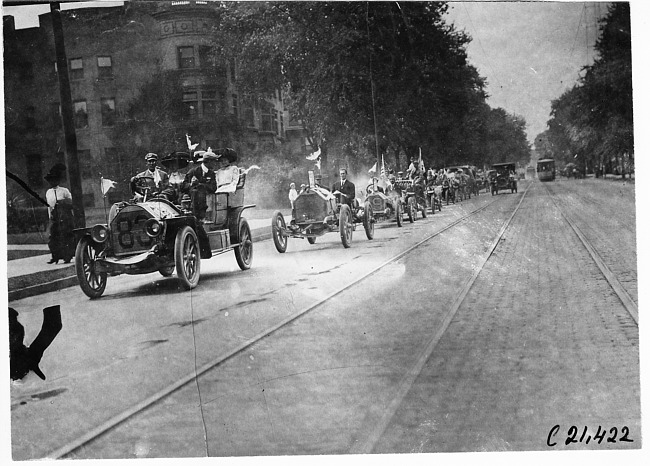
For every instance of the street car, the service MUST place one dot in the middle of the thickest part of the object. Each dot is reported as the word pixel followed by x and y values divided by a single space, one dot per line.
pixel 317 212
pixel 504 178
pixel 156 235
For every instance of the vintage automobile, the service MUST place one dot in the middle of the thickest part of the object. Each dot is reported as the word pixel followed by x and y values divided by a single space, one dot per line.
pixel 156 235
pixel 504 178
pixel 434 198
pixel 472 186
pixel 411 203
pixel 384 206
pixel 317 213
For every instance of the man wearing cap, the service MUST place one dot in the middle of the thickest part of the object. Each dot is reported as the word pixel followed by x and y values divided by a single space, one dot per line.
pixel 153 178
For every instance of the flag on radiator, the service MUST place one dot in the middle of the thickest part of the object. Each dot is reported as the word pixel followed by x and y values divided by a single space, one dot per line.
pixel 106 185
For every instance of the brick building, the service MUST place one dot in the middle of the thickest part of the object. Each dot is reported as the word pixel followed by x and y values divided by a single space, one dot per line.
pixel 112 53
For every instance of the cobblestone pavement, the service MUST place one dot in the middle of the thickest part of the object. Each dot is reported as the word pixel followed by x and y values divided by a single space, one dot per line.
pixel 539 341
pixel 613 235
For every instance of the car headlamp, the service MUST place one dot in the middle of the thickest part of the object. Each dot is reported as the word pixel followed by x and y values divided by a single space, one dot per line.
pixel 99 233
pixel 152 227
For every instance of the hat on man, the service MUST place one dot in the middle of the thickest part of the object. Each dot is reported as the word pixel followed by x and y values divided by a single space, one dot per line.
pixel 151 156
pixel 209 155
pixel 199 155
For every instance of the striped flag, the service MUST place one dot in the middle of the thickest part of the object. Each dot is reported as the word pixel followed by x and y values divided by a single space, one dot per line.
pixel 382 174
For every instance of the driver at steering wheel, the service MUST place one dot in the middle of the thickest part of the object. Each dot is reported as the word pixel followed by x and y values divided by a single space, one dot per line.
pixel 151 181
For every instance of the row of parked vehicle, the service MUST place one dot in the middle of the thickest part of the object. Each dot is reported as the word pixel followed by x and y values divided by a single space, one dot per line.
pixel 154 234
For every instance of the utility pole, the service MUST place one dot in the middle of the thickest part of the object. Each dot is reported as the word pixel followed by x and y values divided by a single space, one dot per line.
pixel 71 157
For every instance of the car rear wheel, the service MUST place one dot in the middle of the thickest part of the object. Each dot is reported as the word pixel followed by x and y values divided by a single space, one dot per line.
pixel 368 221
pixel 92 283
pixel 187 257
pixel 278 227
pixel 167 271
pixel 244 252
pixel 311 239
pixel 345 226
pixel 411 210
pixel 424 211
pixel 433 205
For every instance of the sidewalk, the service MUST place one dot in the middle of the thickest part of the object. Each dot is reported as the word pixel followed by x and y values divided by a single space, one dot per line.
pixel 31 275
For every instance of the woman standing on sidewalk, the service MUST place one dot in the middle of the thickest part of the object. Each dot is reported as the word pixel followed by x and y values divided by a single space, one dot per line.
pixel 59 200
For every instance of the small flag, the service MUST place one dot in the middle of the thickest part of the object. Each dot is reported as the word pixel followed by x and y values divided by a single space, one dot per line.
pixel 373 169
pixel 382 174
pixel 318 163
pixel 420 162
pixel 190 146
pixel 314 155
pixel 107 185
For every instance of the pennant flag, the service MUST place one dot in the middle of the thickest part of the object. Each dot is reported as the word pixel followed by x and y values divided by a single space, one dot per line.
pixel 318 163
pixel 252 167
pixel 382 174
pixel 106 185
pixel 314 155
pixel 373 169
pixel 420 162
pixel 190 146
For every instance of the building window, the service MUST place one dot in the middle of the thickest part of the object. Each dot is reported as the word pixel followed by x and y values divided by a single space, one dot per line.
pixel 104 67
pixel 275 121
pixel 267 118
pixel 186 57
pixel 85 163
pixel 235 105
pixel 76 68
pixel 249 113
pixel 190 104
pixel 282 124
pixel 34 165
pixel 108 112
pixel 206 56
pixel 209 101
pixel 80 114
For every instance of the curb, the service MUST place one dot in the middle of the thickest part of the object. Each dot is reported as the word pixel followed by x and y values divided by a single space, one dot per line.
pixel 42 282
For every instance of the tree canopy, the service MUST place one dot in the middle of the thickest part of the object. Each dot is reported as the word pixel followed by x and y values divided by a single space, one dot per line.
pixel 592 122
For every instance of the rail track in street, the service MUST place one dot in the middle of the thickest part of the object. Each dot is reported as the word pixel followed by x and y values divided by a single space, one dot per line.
pixel 135 410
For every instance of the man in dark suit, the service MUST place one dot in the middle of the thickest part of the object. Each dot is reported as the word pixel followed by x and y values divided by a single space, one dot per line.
pixel 199 181
pixel 345 188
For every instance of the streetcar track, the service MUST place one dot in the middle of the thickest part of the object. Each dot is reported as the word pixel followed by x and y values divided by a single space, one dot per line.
pixel 151 400
pixel 622 294
pixel 368 444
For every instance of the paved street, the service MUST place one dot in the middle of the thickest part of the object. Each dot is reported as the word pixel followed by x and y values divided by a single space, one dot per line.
pixel 539 339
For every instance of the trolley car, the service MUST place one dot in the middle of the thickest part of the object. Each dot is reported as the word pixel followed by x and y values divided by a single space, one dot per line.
pixel 546 170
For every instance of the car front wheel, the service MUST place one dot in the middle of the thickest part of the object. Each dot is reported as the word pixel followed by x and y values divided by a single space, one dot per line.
pixel 244 252
pixel 92 283
pixel 187 257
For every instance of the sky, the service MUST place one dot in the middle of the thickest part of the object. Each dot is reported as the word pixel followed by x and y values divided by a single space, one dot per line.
pixel 529 52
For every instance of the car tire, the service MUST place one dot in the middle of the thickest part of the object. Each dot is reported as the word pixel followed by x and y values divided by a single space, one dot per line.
pixel 244 252
pixel 92 283
pixel 311 239
pixel 411 209
pixel 278 226
pixel 433 205
pixel 187 257
pixel 368 221
pixel 167 271
pixel 345 225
